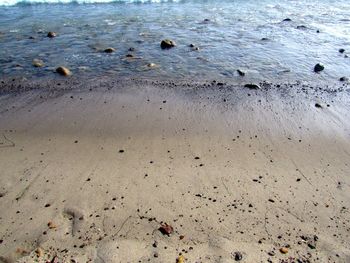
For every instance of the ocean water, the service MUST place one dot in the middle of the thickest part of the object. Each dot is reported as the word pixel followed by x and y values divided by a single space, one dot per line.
pixel 239 34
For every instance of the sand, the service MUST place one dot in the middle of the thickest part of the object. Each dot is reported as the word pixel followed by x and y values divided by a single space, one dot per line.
pixel 90 170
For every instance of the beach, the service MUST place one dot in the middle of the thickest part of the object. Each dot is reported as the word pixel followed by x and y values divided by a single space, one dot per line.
pixel 123 170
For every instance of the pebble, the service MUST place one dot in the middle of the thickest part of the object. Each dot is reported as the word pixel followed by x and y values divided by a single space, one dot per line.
pixel 63 71
pixel 180 259
pixel 166 229
pixel 284 250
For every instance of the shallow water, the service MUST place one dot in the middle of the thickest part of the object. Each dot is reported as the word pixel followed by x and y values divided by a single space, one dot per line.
pixel 231 40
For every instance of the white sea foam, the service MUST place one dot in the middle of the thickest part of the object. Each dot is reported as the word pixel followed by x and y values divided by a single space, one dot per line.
pixel 16 2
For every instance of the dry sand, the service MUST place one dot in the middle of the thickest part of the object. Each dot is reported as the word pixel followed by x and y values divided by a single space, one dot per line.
pixel 89 174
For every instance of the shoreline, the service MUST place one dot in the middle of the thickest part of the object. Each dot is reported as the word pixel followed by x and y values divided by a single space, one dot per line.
pixel 92 170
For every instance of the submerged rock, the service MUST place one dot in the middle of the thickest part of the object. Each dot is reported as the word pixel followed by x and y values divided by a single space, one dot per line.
pixel 318 68
pixel 63 71
pixel 167 43
pixel 51 34
pixel 38 63
pixel 109 50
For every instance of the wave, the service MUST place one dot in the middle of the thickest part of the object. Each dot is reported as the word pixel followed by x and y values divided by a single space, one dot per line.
pixel 35 2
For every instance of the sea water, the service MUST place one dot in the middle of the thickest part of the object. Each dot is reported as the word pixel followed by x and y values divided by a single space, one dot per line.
pixel 249 35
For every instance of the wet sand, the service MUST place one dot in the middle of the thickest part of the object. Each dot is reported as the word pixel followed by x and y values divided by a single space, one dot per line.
pixel 90 170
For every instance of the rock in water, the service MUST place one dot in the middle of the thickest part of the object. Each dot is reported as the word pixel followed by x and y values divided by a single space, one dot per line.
pixel 240 72
pixel 38 63
pixel 252 86
pixel 343 79
pixel 318 68
pixel 63 71
pixel 342 50
pixel 109 50
pixel 287 20
pixel 167 43
pixel 51 34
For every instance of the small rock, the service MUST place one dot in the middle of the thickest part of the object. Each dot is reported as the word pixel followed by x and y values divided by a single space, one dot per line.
pixel 252 86
pixel 318 68
pixel 166 229
pixel 287 20
pixel 51 34
pixel 284 250
pixel 151 65
pixel 206 20
pixel 264 39
pixel 343 79
pixel 38 63
pixel 240 72
pixel 132 49
pixel 167 43
pixel 317 105
pixel 63 71
pixel 109 50
pixel 129 55
pixel 342 50
pixel 237 256
pixel 155 255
